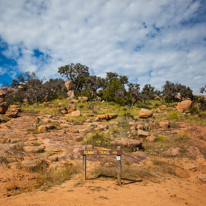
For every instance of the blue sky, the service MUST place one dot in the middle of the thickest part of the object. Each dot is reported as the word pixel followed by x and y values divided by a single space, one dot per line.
pixel 150 41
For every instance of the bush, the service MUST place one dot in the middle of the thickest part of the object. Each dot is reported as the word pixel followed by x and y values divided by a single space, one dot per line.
pixel 182 136
pixel 173 116
pixel 84 93
pixel 193 110
pixel 97 139
pixel 57 175
pixel 161 138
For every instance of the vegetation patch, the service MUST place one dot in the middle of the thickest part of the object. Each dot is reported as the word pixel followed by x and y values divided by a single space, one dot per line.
pixel 56 176
pixel 97 139
pixel 109 169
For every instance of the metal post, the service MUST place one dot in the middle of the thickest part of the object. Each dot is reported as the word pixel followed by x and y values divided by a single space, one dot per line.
pixel 119 167
pixel 84 164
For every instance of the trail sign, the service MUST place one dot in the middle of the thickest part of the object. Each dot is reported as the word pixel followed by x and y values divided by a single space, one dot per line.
pixel 117 152
pixel 101 152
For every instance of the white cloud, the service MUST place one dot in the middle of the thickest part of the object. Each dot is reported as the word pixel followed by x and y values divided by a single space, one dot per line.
pixel 104 34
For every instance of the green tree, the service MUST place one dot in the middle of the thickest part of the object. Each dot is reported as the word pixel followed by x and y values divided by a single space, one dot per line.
pixel 78 73
pixel 148 92
pixel 115 89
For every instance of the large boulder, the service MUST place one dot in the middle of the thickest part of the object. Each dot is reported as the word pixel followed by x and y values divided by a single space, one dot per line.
pixel 184 105
pixel 144 113
pixel 106 117
pixel 127 143
pixel 71 94
pixel 3 108
pixel 69 85
pixel 2 93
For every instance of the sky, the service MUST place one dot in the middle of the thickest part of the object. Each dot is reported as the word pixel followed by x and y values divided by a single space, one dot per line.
pixel 149 41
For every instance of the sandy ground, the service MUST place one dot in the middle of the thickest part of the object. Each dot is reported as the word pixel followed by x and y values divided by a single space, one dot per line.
pixel 105 191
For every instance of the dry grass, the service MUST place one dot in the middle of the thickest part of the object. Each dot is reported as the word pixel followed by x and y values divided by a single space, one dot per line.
pixel 56 176
pixel 108 168
pixel 165 167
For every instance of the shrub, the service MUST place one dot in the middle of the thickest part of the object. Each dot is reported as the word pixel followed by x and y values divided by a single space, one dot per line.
pixel 182 136
pixel 173 116
pixel 97 139
pixel 161 138
pixel 193 110
pixel 57 175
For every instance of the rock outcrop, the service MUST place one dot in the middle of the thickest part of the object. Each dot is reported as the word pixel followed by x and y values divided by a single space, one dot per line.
pixel 184 105
pixel 106 117
pixel 69 85
pixel 151 138
pixel 145 113
pixel 127 143
pixel 3 108
pixel 71 94
pixel 71 108
pixel 76 113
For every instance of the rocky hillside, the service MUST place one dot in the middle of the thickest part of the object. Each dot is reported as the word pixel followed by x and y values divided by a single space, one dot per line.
pixel 40 143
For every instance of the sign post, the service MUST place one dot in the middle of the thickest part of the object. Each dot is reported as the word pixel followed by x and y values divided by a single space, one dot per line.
pixel 117 152
pixel 119 167
pixel 84 164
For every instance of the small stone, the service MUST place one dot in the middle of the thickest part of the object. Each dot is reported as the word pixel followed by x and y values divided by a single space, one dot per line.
pixel 76 113
pixel 133 127
pixel 63 110
pixel 164 124
pixel 34 149
pixel 151 138
pixel 140 127
pixel 10 187
pixel 29 163
pixel 132 123
pixel 163 107
pixel 43 128
pixel 142 133
pixel 53 158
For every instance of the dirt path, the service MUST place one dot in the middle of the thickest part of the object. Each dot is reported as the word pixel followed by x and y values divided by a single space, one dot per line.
pixel 168 192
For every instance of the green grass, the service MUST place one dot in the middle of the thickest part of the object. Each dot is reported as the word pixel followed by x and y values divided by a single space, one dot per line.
pixel 161 138
pixel 97 139
pixel 173 116
pixel 77 120
pixel 40 110
pixel 182 136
